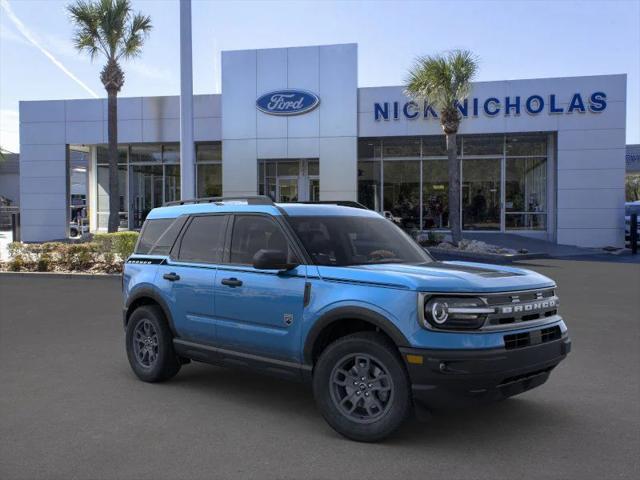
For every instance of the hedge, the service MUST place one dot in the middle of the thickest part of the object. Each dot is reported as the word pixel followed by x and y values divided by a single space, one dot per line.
pixel 103 253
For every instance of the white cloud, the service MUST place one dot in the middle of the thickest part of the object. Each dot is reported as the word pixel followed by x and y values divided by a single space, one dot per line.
pixel 9 130
pixel 22 28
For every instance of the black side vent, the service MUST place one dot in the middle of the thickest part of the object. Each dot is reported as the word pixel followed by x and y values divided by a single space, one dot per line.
pixel 521 340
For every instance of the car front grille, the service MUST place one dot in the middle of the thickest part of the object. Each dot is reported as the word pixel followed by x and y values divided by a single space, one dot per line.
pixel 519 307
pixel 535 337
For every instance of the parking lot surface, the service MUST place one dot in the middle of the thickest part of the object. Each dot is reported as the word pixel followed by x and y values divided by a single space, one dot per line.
pixel 71 408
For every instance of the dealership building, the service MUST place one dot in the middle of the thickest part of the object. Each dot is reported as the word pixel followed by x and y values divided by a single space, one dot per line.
pixel 543 158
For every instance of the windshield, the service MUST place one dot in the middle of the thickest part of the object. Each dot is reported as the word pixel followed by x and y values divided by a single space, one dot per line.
pixel 344 240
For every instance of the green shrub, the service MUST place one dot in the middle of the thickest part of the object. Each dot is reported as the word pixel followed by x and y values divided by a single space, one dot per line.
pixel 44 263
pixel 119 243
pixel 124 243
pixel 16 263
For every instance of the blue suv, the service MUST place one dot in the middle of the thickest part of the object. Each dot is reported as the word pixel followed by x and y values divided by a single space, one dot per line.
pixel 339 297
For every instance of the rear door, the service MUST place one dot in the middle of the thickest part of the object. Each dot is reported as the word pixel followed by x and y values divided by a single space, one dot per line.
pixel 188 277
pixel 259 311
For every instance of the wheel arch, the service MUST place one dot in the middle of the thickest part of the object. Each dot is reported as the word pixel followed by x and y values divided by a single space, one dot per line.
pixel 330 320
pixel 147 296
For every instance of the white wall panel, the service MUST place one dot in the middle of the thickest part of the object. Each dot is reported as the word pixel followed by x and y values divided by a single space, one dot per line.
pixel 271 148
pixel 207 106
pixel 42 111
pixel 303 72
pixel 593 179
pixel 339 90
pixel 338 170
pixel 161 130
pixel 129 108
pixel 85 133
pixel 87 110
pixel 42 133
pixel 160 107
pixel 590 159
pixel 239 98
pixel 303 147
pixel 240 175
pixel 207 129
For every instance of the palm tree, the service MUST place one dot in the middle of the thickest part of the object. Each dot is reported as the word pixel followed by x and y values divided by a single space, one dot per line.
pixel 112 29
pixel 444 81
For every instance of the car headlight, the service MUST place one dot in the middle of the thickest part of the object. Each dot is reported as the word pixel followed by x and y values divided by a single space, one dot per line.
pixel 455 313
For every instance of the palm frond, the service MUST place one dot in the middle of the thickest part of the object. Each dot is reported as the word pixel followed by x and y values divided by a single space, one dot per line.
pixel 139 28
pixel 108 27
pixel 442 80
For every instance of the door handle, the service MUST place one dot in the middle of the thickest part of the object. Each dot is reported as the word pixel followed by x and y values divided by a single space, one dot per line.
pixel 172 277
pixel 231 282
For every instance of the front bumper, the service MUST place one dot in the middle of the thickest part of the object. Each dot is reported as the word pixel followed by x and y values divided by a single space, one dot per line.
pixel 453 378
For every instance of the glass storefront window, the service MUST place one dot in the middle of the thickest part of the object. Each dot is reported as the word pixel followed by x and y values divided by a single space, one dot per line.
pixel 402 192
pixel 401 147
pixel 369 184
pixel 435 194
pixel 369 148
pixel 171 153
pixel 146 153
pixel 481 194
pixel 102 154
pixel 208 152
pixel 146 191
pixel 209 180
pixel 525 193
pixel 526 145
pixel 102 192
pixel 482 145
pixel 433 146
pixel 171 183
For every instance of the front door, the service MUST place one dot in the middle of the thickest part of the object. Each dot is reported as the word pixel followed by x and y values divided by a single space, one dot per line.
pixel 259 311
pixel 287 189
pixel 481 194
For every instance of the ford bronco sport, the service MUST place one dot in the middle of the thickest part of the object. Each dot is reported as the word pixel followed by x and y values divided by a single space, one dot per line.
pixel 339 297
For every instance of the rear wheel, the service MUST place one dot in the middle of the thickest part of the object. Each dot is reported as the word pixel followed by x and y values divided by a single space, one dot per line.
pixel 150 345
pixel 361 387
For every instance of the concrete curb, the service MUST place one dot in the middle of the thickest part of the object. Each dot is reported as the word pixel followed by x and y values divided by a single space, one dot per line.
pixel 79 275
pixel 446 254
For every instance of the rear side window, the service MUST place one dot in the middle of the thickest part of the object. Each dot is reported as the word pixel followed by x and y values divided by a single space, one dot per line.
pixel 203 241
pixel 151 232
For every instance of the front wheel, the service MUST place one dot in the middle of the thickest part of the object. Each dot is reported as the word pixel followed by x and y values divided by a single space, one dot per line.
pixel 361 387
pixel 150 345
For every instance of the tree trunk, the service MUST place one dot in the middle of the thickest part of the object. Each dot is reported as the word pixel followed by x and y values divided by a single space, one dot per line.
pixel 114 191
pixel 454 188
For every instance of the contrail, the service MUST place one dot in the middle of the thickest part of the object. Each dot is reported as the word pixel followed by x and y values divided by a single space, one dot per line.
pixel 29 36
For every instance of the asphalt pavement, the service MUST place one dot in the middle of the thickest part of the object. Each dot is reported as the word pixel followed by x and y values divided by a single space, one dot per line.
pixel 71 408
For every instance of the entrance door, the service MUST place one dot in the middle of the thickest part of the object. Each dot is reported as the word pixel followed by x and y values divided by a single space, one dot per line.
pixel 481 194
pixel 290 180
pixel 287 189
pixel 314 189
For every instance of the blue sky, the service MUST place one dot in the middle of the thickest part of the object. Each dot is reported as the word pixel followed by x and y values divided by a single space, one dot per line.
pixel 513 39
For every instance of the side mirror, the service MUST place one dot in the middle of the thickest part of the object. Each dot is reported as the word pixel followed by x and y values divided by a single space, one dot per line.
pixel 272 260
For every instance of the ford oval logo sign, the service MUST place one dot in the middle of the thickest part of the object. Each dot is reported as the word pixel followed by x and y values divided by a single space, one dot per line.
pixel 287 102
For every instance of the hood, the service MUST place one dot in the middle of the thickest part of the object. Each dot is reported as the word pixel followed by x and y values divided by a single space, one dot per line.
pixel 441 276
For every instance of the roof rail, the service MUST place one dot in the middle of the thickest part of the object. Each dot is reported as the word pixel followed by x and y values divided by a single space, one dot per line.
pixel 250 199
pixel 340 203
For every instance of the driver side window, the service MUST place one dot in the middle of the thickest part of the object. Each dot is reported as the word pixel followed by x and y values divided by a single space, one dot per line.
pixel 252 233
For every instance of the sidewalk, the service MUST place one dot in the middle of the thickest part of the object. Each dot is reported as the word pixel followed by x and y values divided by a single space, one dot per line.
pixel 532 245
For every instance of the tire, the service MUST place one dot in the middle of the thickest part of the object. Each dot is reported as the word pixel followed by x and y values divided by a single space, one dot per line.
pixel 149 345
pixel 383 402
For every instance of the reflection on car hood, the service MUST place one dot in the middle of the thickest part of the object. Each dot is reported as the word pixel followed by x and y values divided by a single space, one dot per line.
pixel 440 276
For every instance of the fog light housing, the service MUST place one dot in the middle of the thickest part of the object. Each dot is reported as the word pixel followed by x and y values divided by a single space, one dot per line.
pixel 456 313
